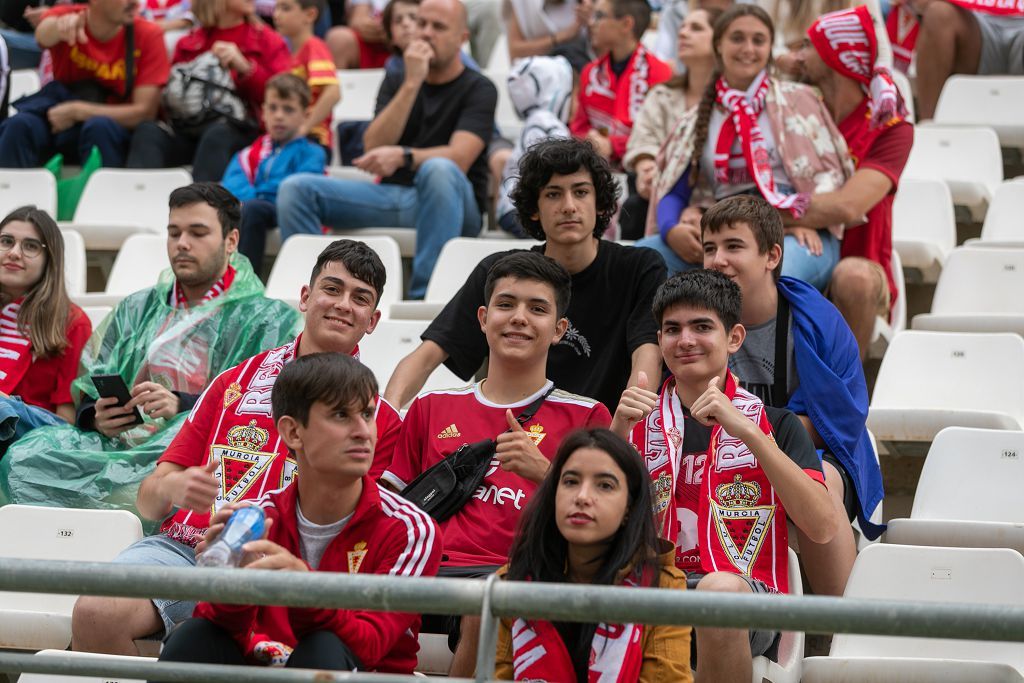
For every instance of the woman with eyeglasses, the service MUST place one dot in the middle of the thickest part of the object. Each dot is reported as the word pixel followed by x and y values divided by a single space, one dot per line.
pixel 41 332
pixel 591 522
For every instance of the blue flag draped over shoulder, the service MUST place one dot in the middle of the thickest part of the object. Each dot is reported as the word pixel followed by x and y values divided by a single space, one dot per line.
pixel 833 392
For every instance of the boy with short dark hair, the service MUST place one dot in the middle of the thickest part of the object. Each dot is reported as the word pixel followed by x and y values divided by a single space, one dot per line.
pixel 334 518
pixel 727 470
pixel 613 87
pixel 256 172
pixel 312 62
pixel 800 354
pixel 527 295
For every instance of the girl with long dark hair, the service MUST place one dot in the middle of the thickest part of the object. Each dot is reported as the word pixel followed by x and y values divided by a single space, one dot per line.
pixel 41 332
pixel 591 522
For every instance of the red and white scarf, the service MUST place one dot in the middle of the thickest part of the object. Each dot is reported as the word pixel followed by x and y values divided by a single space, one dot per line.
pixel 178 299
pixel 538 653
pixel 1004 8
pixel 902 27
pixel 15 348
pixel 603 104
pixel 741 523
pixel 255 154
pixel 741 120
pixel 848 42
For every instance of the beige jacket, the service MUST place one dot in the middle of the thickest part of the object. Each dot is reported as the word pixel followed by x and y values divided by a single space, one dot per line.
pixel 657 119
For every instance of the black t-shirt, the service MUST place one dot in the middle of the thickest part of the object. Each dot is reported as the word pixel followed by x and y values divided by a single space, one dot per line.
pixel 609 317
pixel 466 103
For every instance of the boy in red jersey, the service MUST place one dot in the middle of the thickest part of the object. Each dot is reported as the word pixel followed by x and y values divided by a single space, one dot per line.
pixel 726 470
pixel 334 519
pixel 612 87
pixel 229 449
pixel 312 62
pixel 526 295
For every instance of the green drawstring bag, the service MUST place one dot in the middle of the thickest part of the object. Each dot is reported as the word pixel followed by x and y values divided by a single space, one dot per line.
pixel 69 190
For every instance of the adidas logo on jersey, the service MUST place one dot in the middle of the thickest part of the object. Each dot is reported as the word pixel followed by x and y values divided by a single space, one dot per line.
pixel 450 432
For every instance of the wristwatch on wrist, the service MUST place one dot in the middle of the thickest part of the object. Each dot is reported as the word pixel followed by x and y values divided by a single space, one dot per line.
pixel 407 158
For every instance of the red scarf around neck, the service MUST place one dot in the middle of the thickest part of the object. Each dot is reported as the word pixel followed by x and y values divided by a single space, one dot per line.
pixel 252 156
pixel 538 653
pixel 741 523
pixel 15 348
pixel 741 120
pixel 178 299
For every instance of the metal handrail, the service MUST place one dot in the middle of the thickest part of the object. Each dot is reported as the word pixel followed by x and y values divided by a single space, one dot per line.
pixel 494 599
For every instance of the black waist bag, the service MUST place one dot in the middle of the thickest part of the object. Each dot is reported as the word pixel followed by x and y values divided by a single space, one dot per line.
pixel 443 489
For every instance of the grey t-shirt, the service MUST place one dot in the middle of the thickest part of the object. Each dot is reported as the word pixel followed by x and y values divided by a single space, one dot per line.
pixel 754 363
pixel 314 538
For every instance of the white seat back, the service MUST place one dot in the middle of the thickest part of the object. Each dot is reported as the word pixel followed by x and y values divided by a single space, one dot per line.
pixel 298 255
pixel 97 314
pixel 74 262
pixel 20 187
pixel 39 620
pixel 457 260
pixel 931 380
pixel 981 281
pixel 959 575
pixel 138 264
pixel 391 342
pixel 923 224
pixel 23 82
pixel 56 678
pixel 972 474
pixel 968 160
pixel 505 116
pixel 500 60
pixel 993 101
pixel 358 94
pixel 1004 221
pixel 120 197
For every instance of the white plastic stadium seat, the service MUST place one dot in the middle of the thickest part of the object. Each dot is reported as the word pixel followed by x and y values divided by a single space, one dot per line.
pixel 505 116
pixel 36 621
pixel 923 226
pixel 54 678
pixel 117 203
pixel 390 343
pixel 791 645
pixel 138 265
pixel 358 94
pixel 1004 222
pixel 885 330
pixel 23 82
pixel 19 187
pixel 97 314
pixel 968 493
pixel 74 262
pixel 932 380
pixel 500 60
pixel 993 101
pixel 949 575
pixel 979 291
pixel 298 256
pixel 968 160
pixel 456 261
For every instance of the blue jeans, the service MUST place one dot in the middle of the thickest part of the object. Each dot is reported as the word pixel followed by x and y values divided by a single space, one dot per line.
pixel 26 141
pixel 17 419
pixel 23 51
pixel 798 262
pixel 258 217
pixel 440 205
pixel 674 263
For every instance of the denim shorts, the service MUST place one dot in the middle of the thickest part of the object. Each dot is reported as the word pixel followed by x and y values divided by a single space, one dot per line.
pixel 762 641
pixel 166 552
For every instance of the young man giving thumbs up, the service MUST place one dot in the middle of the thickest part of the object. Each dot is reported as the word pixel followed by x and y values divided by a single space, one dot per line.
pixel 727 470
pixel 527 295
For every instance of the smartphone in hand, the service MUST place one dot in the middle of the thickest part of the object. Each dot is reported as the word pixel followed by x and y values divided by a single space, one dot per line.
pixel 112 386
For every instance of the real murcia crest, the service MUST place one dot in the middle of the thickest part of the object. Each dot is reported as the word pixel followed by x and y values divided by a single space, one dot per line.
pixel 232 394
pixel 242 461
pixel 740 522
pixel 248 437
pixel 355 557
pixel 536 434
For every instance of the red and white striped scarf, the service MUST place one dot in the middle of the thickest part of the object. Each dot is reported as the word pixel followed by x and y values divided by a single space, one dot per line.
pixel 15 348
pixel 1004 8
pixel 741 523
pixel 252 156
pixel 538 653
pixel 741 121
pixel 178 299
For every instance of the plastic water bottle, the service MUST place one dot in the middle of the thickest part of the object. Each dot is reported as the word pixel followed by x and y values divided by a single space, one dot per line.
pixel 245 524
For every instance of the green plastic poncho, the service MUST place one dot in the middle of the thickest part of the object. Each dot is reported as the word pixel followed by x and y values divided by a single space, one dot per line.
pixel 144 338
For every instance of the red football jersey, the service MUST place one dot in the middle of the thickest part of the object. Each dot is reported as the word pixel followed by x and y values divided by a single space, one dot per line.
pixel 439 422
pixel 314 64
pixel 232 422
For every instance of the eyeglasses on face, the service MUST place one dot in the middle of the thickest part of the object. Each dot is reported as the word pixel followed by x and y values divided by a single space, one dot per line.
pixel 30 248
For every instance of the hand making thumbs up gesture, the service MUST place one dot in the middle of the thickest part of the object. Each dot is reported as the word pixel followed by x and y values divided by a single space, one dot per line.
pixel 518 453
pixel 714 407
pixel 636 403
